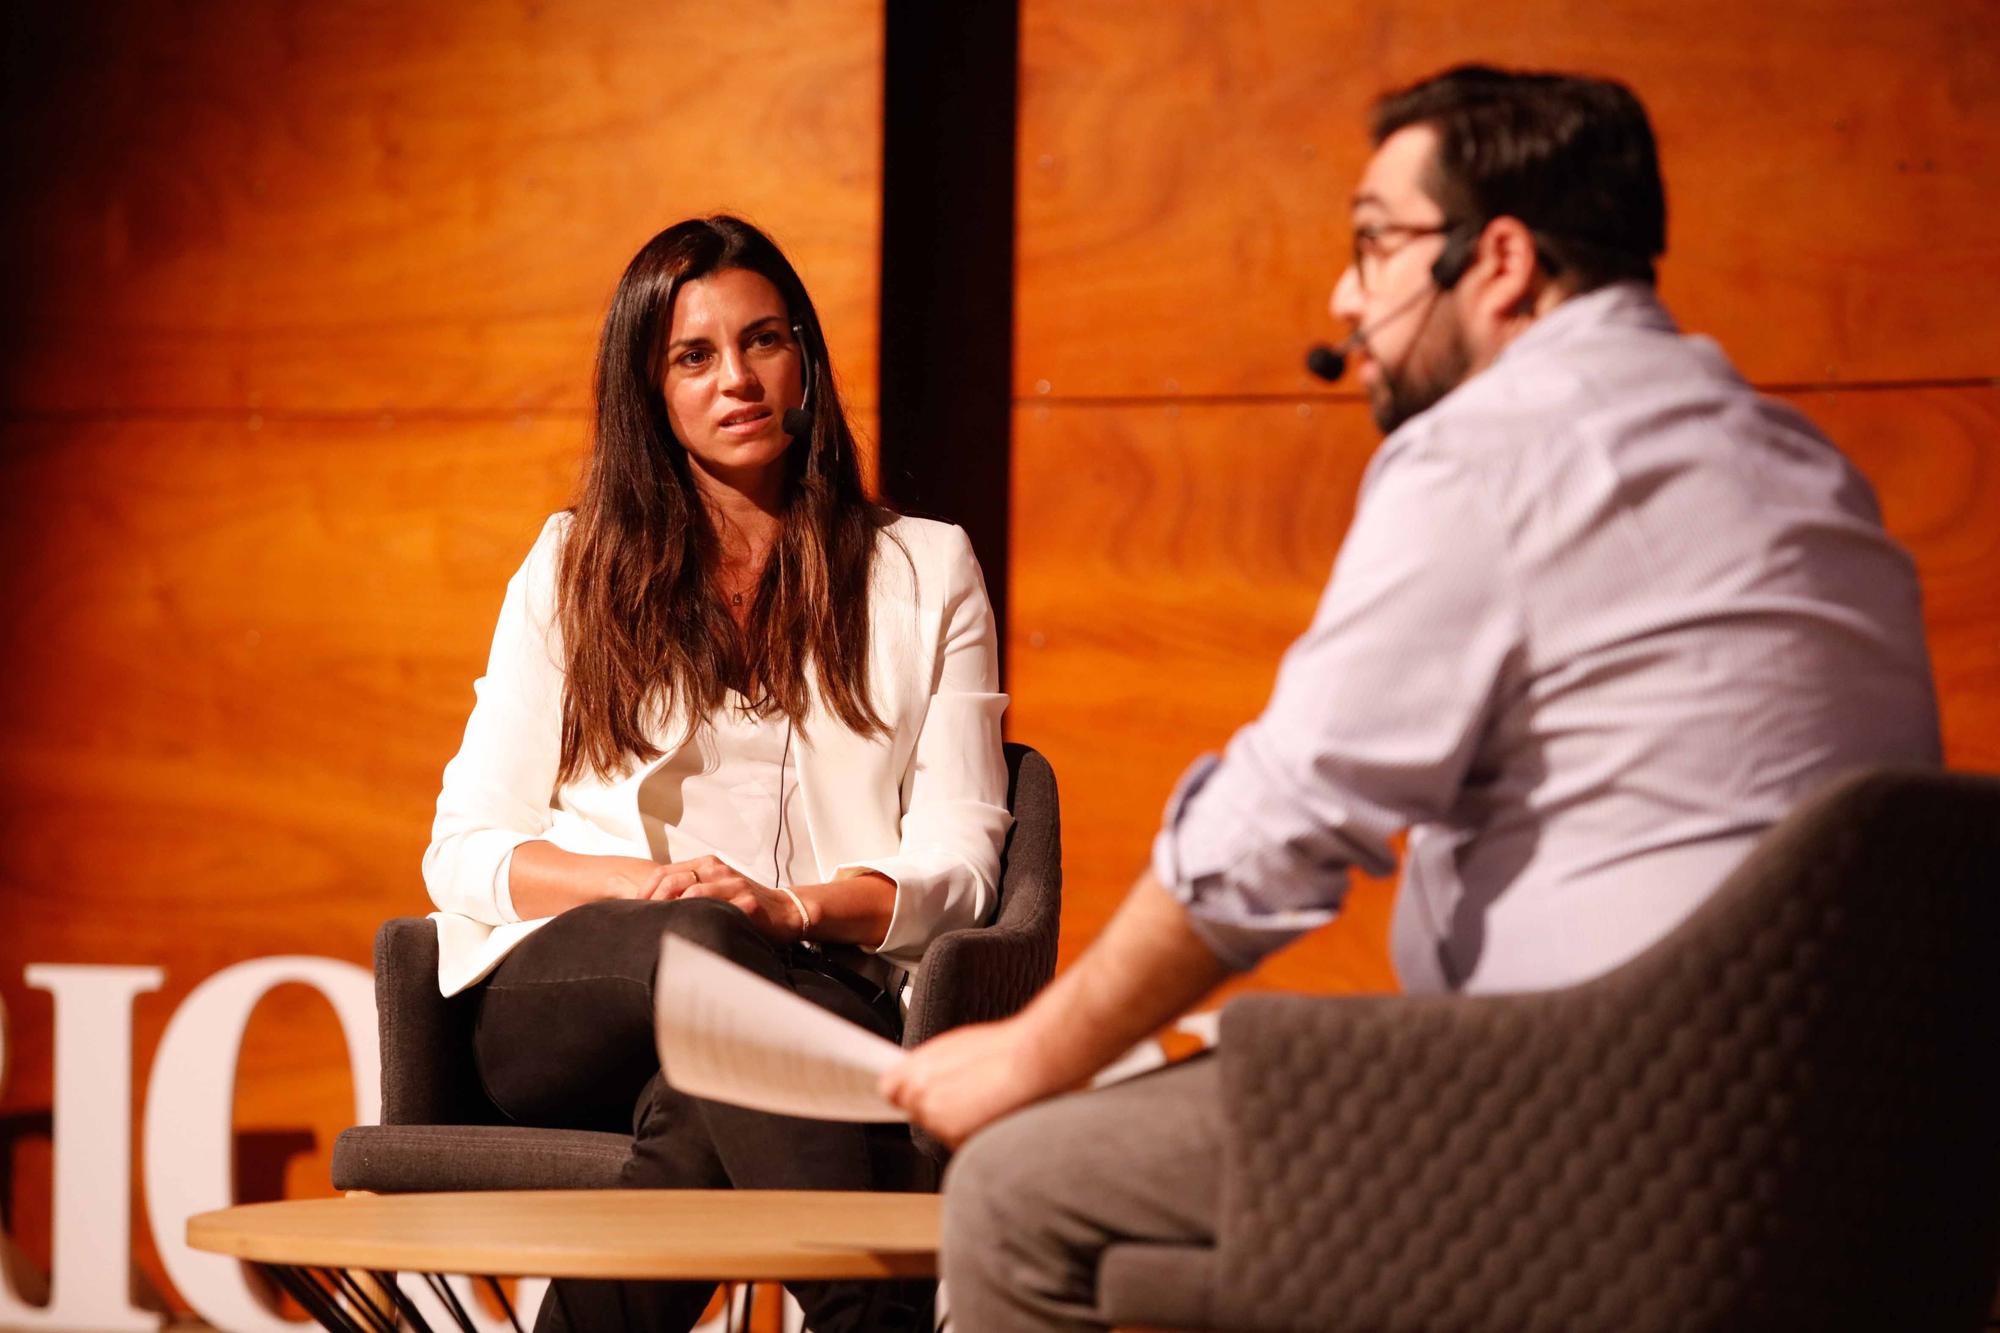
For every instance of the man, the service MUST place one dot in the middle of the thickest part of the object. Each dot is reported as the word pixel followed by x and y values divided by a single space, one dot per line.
pixel 1603 615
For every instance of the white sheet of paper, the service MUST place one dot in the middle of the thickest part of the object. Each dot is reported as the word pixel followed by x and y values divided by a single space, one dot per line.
pixel 729 1035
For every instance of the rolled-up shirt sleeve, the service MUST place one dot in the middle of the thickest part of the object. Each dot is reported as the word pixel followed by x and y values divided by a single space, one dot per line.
pixel 1373 723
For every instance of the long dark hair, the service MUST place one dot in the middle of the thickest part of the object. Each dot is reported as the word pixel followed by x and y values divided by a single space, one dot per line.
pixel 644 628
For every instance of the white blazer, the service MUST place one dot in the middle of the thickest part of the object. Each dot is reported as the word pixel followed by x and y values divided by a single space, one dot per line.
pixel 924 805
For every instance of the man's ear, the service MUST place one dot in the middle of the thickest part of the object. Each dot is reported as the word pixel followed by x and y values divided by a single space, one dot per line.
pixel 1506 275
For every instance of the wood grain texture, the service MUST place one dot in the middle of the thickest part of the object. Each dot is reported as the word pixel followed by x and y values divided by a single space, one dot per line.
pixel 240 659
pixel 1165 555
pixel 266 636
pixel 363 207
pixel 1185 166
pixel 301 310
pixel 751 1234
pixel 1934 459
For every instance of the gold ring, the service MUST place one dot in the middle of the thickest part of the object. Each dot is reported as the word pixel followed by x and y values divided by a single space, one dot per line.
pixel 696 872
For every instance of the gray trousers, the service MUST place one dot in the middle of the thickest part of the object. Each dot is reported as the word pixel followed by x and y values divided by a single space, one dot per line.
pixel 1032 1201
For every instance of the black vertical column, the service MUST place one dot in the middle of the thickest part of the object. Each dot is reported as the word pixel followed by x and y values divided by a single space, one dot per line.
pixel 947 326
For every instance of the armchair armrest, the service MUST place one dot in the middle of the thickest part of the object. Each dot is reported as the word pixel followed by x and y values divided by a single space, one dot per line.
pixel 977 975
pixel 1385 1145
pixel 428 1076
pixel 988 972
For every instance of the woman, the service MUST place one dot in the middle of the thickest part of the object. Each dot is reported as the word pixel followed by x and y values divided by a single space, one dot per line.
pixel 730 698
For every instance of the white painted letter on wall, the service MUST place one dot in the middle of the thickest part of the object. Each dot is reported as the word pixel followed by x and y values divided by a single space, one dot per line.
pixel 90 1285
pixel 188 1161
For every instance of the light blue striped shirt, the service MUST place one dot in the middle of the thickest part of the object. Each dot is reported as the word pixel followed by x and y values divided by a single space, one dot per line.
pixel 1603 615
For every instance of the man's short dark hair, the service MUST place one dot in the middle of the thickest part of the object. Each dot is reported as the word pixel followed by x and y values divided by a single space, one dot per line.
pixel 1572 158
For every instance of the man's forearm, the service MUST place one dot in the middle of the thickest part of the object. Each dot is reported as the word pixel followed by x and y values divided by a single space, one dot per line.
pixel 1147 968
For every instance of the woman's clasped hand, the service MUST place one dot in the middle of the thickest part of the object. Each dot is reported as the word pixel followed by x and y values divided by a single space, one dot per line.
pixel 775 915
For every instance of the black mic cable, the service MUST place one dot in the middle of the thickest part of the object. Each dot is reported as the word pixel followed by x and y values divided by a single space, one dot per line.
pixel 1330 362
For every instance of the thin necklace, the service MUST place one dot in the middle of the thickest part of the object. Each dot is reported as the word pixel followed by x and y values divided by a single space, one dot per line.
pixel 736 597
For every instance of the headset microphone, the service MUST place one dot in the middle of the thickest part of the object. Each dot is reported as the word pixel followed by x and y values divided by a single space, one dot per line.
pixel 1329 362
pixel 798 420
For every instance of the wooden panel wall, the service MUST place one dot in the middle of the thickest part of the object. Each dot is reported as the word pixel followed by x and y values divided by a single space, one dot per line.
pixel 300 308
pixel 1181 485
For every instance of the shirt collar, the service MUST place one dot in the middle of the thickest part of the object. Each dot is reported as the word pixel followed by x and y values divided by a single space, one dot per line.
pixel 1617 305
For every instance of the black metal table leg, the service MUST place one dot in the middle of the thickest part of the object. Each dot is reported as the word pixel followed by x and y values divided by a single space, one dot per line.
pixel 342 1302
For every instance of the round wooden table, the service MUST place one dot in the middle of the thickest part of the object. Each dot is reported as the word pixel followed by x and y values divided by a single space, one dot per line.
pixel 315 1248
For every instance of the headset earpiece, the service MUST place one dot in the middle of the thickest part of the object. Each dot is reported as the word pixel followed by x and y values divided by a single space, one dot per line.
pixel 1461 245
pixel 798 420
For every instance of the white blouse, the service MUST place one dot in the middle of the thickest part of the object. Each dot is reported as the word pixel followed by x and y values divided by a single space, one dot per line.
pixel 922 803
pixel 731 792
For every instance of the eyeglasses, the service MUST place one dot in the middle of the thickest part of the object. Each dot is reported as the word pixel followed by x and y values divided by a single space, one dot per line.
pixel 1370 251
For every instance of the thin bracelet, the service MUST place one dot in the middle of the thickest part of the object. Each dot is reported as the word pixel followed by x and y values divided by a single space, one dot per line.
pixel 805 917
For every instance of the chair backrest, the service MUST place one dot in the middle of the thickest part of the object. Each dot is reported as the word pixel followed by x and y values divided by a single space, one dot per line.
pixel 1785 1114
pixel 991 971
pixel 969 975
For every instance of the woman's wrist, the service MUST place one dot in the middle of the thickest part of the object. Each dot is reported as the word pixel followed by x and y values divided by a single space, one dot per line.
pixel 800 907
pixel 855 909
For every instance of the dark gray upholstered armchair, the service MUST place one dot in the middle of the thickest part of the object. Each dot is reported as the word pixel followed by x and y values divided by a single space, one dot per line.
pixel 439 1132
pixel 1786 1115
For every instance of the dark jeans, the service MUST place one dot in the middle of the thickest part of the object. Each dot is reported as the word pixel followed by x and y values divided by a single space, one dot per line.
pixel 563 1038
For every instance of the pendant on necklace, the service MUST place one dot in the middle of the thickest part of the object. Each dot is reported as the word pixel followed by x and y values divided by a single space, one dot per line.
pixel 736 599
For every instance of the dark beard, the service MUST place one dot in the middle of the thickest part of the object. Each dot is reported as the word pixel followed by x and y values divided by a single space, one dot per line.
pixel 1422 379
